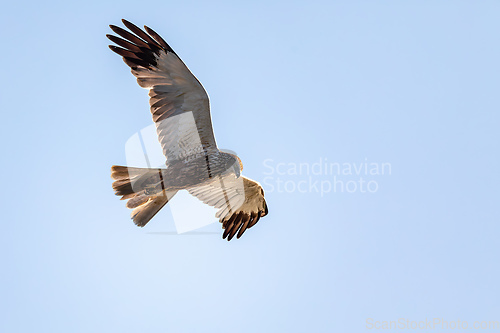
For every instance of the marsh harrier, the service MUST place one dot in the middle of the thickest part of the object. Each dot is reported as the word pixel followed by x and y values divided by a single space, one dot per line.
pixel 181 112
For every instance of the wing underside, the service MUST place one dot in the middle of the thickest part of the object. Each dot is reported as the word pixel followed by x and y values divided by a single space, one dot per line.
pixel 179 103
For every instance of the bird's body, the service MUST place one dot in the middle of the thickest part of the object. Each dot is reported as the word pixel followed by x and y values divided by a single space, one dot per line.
pixel 181 113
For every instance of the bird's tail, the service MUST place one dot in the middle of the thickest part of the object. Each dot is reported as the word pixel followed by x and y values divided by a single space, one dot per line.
pixel 143 188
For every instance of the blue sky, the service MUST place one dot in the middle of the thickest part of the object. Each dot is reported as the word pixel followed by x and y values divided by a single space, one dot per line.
pixel 413 84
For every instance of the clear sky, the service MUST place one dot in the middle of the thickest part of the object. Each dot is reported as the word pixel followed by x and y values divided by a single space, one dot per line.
pixel 405 94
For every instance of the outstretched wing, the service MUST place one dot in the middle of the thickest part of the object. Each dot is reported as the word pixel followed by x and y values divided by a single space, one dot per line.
pixel 240 202
pixel 179 103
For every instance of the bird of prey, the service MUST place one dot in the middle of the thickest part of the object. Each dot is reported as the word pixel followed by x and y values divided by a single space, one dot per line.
pixel 181 112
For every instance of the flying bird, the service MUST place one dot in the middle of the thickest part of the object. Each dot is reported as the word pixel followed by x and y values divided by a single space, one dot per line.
pixel 181 112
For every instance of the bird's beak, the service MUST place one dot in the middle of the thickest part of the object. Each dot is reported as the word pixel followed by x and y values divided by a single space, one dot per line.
pixel 237 171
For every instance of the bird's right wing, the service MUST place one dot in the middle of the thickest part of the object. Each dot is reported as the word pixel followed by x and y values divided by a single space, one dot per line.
pixel 179 103
pixel 240 202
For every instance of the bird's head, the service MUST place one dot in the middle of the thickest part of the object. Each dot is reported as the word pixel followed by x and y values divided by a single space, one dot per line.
pixel 237 165
pixel 234 164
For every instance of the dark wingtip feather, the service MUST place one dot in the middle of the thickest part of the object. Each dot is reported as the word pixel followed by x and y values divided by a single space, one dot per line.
pixel 124 43
pixel 226 231
pixel 158 39
pixel 255 220
pixel 139 32
pixel 122 52
pixel 242 218
pixel 243 228
pixel 129 36
pixel 251 220
pixel 232 226
pixel 114 27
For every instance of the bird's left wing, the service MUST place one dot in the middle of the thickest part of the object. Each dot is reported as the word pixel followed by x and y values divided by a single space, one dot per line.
pixel 179 103
pixel 240 202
